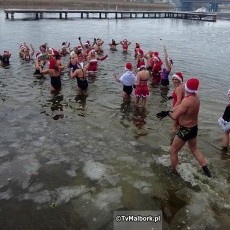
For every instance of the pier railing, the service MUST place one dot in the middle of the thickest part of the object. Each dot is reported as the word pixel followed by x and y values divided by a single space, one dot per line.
pixel 104 14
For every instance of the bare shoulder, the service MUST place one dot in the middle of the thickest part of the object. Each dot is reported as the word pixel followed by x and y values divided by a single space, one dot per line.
pixel 179 88
pixel 192 99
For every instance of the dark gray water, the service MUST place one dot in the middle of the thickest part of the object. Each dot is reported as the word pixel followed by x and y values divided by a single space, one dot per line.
pixel 67 163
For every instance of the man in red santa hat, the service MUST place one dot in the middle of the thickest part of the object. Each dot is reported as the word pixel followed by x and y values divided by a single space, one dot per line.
pixel 186 115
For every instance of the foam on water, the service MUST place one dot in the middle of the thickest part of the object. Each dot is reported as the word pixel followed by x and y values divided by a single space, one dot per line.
pixel 94 170
pixel 108 199
pixel 143 186
pixel 58 196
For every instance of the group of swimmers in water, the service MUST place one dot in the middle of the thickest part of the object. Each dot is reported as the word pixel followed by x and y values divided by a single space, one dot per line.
pixel 83 63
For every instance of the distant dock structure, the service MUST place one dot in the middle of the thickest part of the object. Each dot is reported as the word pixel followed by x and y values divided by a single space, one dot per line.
pixel 105 14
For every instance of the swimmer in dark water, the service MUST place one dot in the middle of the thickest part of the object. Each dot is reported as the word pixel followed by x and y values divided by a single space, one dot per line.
pixel 26 53
pixel 54 73
pixel 5 59
pixel 39 63
pixel 125 45
pixel 128 80
pixel 113 45
pixel 82 83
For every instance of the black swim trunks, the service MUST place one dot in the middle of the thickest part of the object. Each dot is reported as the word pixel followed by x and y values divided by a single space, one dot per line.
pixel 56 82
pixel 187 133
pixel 164 82
pixel 82 84
pixel 128 89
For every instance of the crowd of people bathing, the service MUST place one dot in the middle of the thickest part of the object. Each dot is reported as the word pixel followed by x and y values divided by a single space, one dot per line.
pixel 83 64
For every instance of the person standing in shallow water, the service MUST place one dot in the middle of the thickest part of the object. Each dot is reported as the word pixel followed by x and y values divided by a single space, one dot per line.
pixel 186 115
pixel 177 97
pixel 113 45
pixel 166 71
pixel 5 59
pixel 224 123
pixel 55 75
pixel 128 79
pixel 142 89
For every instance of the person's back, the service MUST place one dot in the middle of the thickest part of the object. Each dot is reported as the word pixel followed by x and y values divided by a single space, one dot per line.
pixel 144 76
pixel 190 105
pixel 81 74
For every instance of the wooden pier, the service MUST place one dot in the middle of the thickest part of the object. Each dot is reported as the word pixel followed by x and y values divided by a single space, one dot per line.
pixel 105 14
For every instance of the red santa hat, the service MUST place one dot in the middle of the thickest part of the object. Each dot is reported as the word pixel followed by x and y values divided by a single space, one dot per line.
pixel 38 55
pixel 191 86
pixel 52 64
pixel 128 66
pixel 178 76
pixel 141 52
pixel 141 67
pixel 55 52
